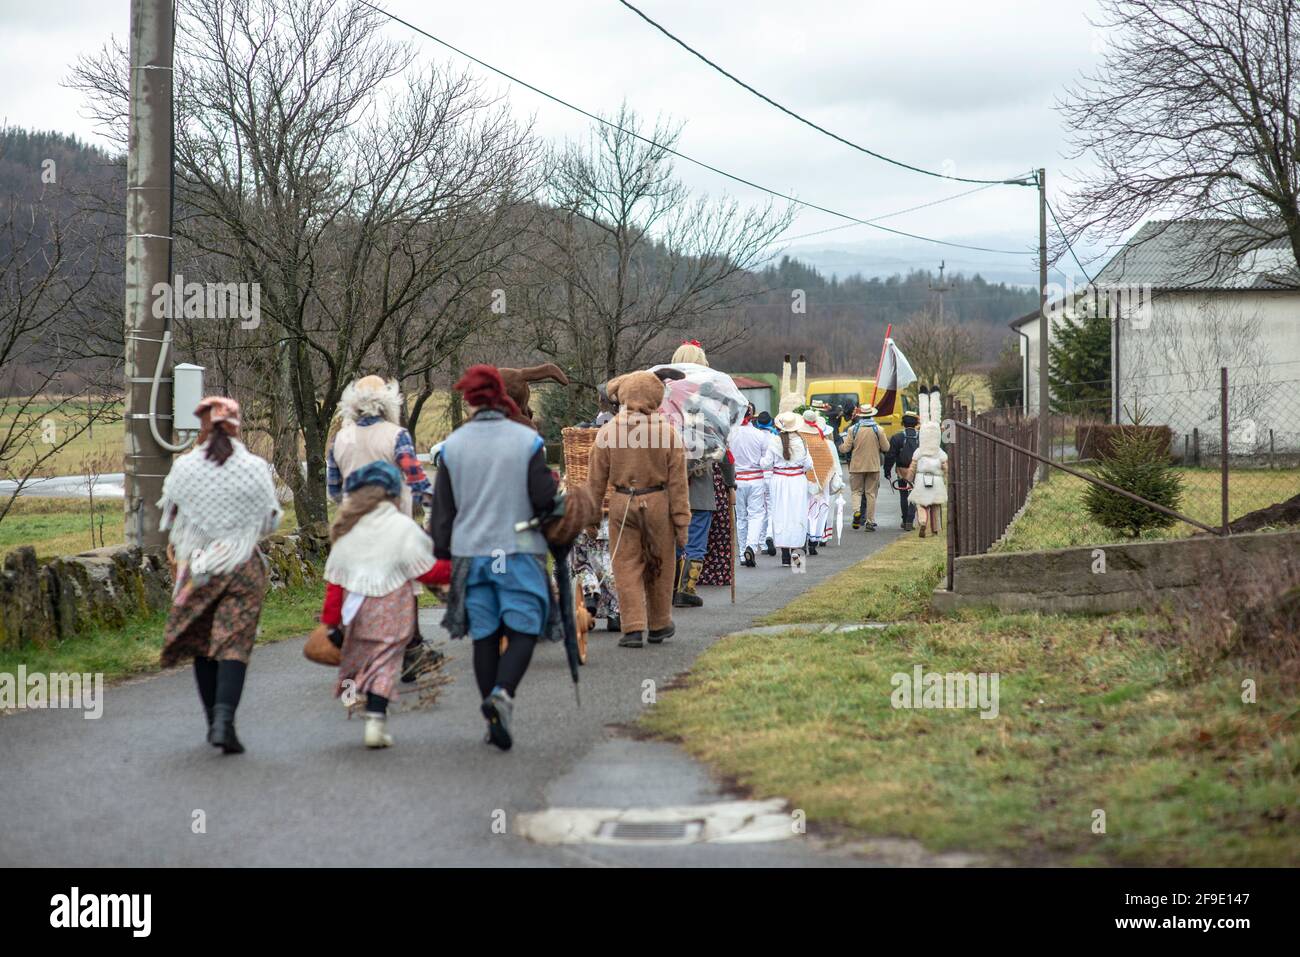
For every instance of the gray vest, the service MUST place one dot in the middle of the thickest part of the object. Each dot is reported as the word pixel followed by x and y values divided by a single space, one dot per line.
pixel 488 457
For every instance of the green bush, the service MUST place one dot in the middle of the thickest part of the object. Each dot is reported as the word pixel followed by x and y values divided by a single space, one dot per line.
pixel 1138 462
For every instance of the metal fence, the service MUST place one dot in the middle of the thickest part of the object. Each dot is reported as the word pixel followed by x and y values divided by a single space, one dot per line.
pixel 1235 444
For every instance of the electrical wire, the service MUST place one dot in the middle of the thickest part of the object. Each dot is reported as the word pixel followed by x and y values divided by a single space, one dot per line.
pixel 690 159
pixel 1010 181
pixel 1066 240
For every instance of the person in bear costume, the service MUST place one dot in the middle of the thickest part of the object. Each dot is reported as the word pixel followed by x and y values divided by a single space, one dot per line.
pixel 640 457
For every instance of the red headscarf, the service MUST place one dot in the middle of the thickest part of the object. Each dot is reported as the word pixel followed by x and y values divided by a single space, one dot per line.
pixel 481 386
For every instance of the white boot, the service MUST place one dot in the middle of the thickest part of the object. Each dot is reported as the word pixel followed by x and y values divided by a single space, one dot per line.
pixel 376 734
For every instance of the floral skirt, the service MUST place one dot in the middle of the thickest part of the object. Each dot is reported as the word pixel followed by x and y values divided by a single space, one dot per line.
pixel 374 642
pixel 718 565
pixel 216 618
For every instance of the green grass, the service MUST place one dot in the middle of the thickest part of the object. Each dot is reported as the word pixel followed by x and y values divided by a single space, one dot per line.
pixel 1093 715
pixel 894 583
pixel 134 649
pixel 1055 516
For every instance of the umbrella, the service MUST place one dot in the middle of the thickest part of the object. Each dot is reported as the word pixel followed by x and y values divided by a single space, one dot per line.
pixel 564 586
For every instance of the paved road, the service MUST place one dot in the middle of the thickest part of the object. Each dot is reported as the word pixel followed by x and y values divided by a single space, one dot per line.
pixel 122 790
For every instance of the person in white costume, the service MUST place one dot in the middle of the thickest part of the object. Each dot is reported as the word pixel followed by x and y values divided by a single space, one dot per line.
pixel 929 464
pixel 750 446
pixel 789 461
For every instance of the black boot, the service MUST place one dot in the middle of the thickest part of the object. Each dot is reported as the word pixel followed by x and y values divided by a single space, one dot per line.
pixel 612 623
pixel 785 556
pixel 750 560
pixel 771 546
pixel 632 639
pixel 657 635
pixel 812 546
pixel 222 733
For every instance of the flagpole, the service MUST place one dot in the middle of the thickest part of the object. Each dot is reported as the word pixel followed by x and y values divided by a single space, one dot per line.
pixel 875 385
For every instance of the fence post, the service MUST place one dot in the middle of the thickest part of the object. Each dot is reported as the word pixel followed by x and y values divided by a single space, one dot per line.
pixel 953 494
pixel 1223 444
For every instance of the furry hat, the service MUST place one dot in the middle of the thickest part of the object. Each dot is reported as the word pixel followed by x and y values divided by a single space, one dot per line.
pixel 931 406
pixel 371 395
pixel 638 391
pixel 792 393
pixel 516 383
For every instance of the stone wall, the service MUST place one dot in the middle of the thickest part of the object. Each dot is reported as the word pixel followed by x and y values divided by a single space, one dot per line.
pixel 46 602
pixel 1073 579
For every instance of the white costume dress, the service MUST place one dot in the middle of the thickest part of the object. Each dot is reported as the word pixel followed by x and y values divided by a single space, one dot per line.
pixel 788 505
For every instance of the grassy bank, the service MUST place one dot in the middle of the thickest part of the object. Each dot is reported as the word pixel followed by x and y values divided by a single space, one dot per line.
pixel 1093 715
pixel 134 649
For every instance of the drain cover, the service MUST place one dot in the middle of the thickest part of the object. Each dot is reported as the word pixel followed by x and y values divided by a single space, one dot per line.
pixel 724 822
pixel 659 832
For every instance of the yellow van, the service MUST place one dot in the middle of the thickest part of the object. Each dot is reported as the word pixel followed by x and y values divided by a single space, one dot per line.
pixel 838 392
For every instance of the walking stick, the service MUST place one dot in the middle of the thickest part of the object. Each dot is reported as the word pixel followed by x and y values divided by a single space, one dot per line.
pixel 731 503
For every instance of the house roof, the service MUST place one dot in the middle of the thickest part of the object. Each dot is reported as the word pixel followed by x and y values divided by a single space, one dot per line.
pixel 1204 254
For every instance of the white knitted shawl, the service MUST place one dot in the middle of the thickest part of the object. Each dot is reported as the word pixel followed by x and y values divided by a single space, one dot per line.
pixel 221 511
pixel 382 551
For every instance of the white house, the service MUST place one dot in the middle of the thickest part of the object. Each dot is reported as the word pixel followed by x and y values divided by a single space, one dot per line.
pixel 1183 305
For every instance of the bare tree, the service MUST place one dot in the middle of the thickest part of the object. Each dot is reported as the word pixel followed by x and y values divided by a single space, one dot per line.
pixel 353 194
pixel 938 351
pixel 634 257
pixel 50 396
pixel 1194 113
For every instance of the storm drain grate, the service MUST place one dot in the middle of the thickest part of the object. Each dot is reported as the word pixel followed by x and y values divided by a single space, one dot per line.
pixel 676 832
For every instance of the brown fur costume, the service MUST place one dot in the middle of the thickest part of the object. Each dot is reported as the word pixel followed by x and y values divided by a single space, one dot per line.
pixel 638 448
pixel 516 383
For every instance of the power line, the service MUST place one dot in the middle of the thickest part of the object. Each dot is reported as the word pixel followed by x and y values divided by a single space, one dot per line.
pixel 1011 181
pixel 1066 240
pixel 876 219
pixel 680 155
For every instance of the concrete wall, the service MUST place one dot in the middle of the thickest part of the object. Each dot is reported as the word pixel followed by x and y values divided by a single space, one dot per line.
pixel 65 597
pixel 1065 580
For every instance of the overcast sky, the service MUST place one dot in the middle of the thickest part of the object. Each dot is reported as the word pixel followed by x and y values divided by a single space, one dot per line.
pixel 945 85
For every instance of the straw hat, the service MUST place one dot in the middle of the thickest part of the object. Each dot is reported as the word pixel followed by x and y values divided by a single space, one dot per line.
pixel 866 410
pixel 789 421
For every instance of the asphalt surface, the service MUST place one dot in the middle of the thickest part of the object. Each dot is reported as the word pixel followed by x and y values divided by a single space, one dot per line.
pixel 125 789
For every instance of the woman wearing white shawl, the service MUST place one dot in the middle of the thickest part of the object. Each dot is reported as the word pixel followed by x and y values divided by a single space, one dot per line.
pixel 218 501
pixel 377 551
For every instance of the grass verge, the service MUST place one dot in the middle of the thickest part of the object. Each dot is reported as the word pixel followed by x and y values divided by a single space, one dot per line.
pixel 1092 716
pixel 134 649
pixel 896 582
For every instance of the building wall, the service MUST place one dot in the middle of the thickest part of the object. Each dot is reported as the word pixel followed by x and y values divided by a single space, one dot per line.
pixel 1169 365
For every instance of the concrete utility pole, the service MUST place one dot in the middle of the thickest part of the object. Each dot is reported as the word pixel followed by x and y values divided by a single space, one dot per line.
pixel 1044 419
pixel 148 261
pixel 940 289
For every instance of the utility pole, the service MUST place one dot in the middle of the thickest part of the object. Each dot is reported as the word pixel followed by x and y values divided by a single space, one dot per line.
pixel 940 289
pixel 1044 419
pixel 148 262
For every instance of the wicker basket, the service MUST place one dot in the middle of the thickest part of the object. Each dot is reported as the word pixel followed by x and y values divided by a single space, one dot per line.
pixel 578 443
